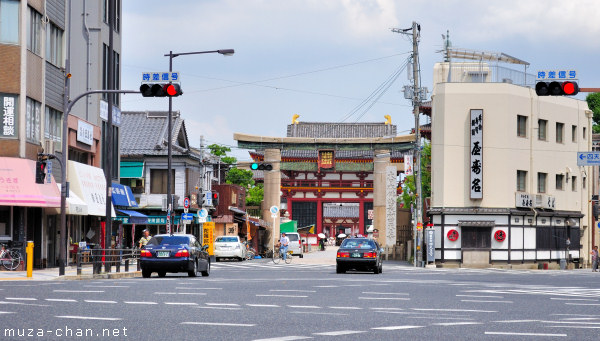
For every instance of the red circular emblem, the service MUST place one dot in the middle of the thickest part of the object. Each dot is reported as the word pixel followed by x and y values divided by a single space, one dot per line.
pixel 452 235
pixel 500 236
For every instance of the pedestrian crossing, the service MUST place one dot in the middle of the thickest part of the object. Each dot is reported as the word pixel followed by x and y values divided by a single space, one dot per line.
pixel 252 265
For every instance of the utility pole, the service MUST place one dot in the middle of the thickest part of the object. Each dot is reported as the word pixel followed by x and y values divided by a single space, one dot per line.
pixel 108 142
pixel 414 33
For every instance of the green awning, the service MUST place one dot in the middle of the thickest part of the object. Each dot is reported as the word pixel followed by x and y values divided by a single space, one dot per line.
pixel 290 226
pixel 132 169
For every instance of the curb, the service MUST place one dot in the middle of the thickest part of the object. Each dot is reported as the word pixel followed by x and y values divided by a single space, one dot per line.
pixel 112 275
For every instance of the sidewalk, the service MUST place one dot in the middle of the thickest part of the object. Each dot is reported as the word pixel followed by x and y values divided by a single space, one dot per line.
pixel 70 274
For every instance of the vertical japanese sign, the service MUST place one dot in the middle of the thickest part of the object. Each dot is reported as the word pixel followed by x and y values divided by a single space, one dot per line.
pixel 326 159
pixel 408 164
pixel 9 116
pixel 476 151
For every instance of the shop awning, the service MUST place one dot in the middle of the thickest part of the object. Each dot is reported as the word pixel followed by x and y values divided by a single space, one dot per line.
pixel 290 226
pixel 122 196
pixel 135 217
pixel 132 169
pixel 89 183
pixel 75 206
pixel 18 187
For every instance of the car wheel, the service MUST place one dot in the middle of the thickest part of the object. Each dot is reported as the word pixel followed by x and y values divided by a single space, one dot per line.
pixel 162 274
pixel 339 269
pixel 241 259
pixel 146 273
pixel 380 268
pixel 301 256
pixel 207 272
pixel 376 270
pixel 194 271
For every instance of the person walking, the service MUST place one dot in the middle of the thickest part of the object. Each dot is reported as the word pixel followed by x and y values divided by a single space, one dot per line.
pixel 595 259
pixel 145 239
pixel 284 242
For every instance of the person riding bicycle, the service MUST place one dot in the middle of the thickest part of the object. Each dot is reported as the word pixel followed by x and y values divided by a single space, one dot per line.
pixel 284 243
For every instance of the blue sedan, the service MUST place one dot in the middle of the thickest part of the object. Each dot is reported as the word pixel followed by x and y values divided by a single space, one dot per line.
pixel 174 253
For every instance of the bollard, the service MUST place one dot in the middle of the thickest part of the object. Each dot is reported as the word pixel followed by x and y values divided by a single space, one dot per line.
pixel 29 252
pixel 78 263
pixel 127 265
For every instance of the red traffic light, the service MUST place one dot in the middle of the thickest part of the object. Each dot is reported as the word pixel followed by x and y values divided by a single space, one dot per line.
pixel 172 90
pixel 556 88
pixel 570 88
pixel 215 195
pixel 160 90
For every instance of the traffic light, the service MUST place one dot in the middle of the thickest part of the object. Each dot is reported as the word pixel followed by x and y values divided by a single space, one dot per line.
pixel 556 88
pixel 160 90
pixel 215 199
pixel 40 172
pixel 262 166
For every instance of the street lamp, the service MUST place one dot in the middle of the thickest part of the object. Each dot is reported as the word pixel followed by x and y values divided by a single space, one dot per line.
pixel 171 55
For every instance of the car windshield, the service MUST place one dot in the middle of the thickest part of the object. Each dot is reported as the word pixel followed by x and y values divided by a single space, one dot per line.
pixel 292 237
pixel 226 240
pixel 169 240
pixel 358 244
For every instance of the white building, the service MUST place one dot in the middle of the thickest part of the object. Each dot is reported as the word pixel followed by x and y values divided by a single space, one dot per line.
pixel 523 196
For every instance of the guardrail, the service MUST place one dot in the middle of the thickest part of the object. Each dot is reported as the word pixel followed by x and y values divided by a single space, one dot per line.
pixel 107 257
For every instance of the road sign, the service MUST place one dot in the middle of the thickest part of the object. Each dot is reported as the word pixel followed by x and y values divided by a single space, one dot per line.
pixel 588 159
pixel 208 198
pixel 202 214
pixel 186 202
pixel 208 229
pixel 49 171
pixel 430 239
pixel 161 77
pixel 274 211
pixel 187 218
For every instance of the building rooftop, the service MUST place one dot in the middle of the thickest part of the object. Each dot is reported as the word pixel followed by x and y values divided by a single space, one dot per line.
pixel 340 130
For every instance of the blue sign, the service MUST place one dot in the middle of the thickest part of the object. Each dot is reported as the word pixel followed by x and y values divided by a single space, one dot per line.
pixel 160 77
pixel 49 171
pixel 556 74
pixel 588 159
pixel 187 217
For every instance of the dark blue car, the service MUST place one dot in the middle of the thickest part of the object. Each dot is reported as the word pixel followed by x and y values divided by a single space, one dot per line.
pixel 174 253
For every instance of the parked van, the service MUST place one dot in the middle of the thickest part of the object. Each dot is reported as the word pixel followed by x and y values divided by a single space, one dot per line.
pixel 295 243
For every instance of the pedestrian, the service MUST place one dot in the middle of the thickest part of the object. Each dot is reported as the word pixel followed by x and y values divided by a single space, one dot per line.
pixel 145 239
pixel 284 242
pixel 595 259
pixel 322 244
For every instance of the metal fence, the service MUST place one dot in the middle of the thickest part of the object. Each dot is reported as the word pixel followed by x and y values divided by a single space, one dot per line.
pixel 110 258
pixel 484 72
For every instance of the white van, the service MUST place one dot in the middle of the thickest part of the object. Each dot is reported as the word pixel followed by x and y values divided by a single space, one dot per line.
pixel 295 243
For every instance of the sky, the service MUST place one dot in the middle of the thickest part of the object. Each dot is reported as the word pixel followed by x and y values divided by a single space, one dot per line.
pixel 321 59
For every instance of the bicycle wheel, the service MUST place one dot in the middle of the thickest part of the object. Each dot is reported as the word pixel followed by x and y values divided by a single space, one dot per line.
pixel 276 257
pixel 288 258
pixel 13 261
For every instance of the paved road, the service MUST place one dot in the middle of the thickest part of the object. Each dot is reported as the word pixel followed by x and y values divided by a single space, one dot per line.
pixel 257 300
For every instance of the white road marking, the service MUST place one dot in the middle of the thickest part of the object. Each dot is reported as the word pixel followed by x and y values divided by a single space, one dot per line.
pixel 313 313
pixel 577 327
pixel 7 312
pixel 340 332
pixel 90 318
pixel 78 291
pixel 581 318
pixel 142 302
pixel 21 298
pixel 455 323
pixel 61 300
pixel 461 310
pixel 385 298
pixel 223 304
pixel 479 296
pixel 263 305
pixel 192 293
pixel 99 301
pixel 569 322
pixel 106 286
pixel 181 303
pixel 523 334
pixel 304 306
pixel 286 338
pixel 573 299
pixel 196 288
pixel 516 321
pixel 349 308
pixel 296 296
pixel 326 286
pixel 220 324
pixel 582 303
pixel 484 301
pixel 289 290
pixel 219 308
pixel 386 308
pixel 384 293
pixel 21 303
pixel 396 327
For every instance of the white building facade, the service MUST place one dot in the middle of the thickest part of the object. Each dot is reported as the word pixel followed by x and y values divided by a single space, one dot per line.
pixel 506 188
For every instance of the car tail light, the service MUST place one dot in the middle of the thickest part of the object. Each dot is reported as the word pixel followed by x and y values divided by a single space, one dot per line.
pixel 369 255
pixel 182 253
pixel 343 254
pixel 145 253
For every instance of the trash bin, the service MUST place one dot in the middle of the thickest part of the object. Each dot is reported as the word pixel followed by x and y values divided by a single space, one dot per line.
pixel 563 264
pixel 545 267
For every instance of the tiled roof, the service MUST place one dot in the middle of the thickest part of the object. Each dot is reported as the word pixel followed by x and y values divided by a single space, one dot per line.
pixel 340 130
pixel 145 133
pixel 339 154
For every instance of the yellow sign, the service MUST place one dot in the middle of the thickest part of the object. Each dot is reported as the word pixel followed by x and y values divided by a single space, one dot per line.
pixel 419 226
pixel 208 230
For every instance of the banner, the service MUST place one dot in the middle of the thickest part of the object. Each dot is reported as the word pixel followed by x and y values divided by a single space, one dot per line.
pixel 476 151
pixel 408 164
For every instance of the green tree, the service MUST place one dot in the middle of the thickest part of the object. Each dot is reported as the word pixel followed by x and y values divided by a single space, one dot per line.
pixel 255 195
pixel 240 177
pixel 409 190
pixel 593 101
pixel 218 150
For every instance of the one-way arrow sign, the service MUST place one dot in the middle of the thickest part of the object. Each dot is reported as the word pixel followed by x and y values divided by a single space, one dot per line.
pixel 588 159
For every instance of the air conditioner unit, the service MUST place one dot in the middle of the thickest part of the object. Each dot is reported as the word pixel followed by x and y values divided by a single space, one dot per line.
pixel 538 200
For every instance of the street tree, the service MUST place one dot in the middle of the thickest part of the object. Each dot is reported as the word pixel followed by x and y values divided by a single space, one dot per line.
pixel 593 101
pixel 255 195
pixel 241 177
pixel 409 190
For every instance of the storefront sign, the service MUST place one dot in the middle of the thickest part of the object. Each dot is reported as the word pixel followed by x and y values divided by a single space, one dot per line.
pixel 85 132
pixel 452 235
pixel 326 159
pixel 408 164
pixel 208 230
pixel 524 200
pixel 430 240
pixel 9 116
pixel 499 236
pixel 476 151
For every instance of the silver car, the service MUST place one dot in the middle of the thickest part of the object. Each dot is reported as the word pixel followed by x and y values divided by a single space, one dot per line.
pixel 229 247
pixel 295 244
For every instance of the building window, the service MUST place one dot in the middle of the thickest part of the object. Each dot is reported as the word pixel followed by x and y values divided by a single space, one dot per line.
pixel 574 183
pixel 584 133
pixel 521 180
pixel 117 23
pixel 33 120
pixel 158 181
pixel 560 179
pixel 574 133
pixel 560 127
pixel 34 32
pixel 476 237
pixel 542 182
pixel 54 45
pixel 304 213
pixel 6 232
pixel 116 73
pixel 521 126
pixel 53 124
pixel 9 21
pixel 583 182
pixel 542 124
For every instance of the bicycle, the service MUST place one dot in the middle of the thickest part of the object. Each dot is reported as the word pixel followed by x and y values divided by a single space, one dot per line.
pixel 10 258
pixel 278 256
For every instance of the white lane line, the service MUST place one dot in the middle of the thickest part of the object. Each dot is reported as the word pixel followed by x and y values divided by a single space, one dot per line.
pixel 106 286
pixel 79 291
pixel 461 310
pixel 340 332
pixel 22 303
pixel 385 298
pixel 164 293
pixel 7 312
pixel 313 313
pixel 140 302
pixel 61 300
pixel 576 327
pixel 290 296
pixel 572 299
pixel 581 318
pixel 197 288
pixel 486 301
pixel 480 296
pixel 263 305
pixel 588 315
pixel 285 338
pixel 455 323
pixel 21 298
pixel 516 321
pixel 192 293
pixel 100 301
pixel 349 308
pixel 219 308
pixel 326 286
pixel 571 322
pixel 386 308
pixel 223 304
pixel 524 334
pixel 290 290
pixel 384 293
pixel 396 327
pixel 181 303
pixel 304 306
pixel 595 304
pixel 221 324
pixel 90 318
